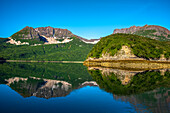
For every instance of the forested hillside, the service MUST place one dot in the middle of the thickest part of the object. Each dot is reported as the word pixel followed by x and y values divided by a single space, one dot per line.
pixel 75 50
pixel 142 47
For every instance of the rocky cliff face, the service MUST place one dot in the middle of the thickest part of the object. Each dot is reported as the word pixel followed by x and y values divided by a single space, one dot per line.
pixel 55 32
pixel 152 31
pixel 26 33
pixel 47 32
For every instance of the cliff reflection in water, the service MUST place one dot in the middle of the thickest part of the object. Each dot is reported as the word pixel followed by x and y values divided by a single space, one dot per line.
pixel 145 90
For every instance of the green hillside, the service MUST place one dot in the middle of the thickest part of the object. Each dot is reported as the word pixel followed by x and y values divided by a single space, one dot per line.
pixel 141 46
pixel 75 50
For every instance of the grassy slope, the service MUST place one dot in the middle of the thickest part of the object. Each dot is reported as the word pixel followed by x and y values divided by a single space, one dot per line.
pixel 75 50
pixel 141 46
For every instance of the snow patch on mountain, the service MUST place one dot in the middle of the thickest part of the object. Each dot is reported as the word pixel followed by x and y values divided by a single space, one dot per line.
pixel 91 42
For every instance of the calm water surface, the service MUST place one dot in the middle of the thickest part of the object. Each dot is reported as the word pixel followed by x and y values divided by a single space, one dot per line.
pixel 65 88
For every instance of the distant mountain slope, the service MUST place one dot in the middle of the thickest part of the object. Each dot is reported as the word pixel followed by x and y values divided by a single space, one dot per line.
pixel 151 31
pixel 48 34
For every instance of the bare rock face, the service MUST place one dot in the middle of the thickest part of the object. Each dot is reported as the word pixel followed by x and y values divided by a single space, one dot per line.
pixel 26 33
pixel 29 33
pixel 12 41
pixel 152 31
pixel 54 32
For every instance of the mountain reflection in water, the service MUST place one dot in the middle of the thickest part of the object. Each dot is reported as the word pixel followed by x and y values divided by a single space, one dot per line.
pixel 44 88
pixel 146 91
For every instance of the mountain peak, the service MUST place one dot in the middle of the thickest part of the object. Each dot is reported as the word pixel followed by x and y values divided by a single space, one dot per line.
pixel 151 31
pixel 145 25
pixel 27 27
pixel 49 33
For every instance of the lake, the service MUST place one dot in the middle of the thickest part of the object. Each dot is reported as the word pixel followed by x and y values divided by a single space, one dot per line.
pixel 73 88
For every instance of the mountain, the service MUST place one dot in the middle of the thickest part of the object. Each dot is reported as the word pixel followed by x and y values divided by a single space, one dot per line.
pixel 45 44
pixel 48 43
pixel 46 35
pixel 127 46
pixel 151 31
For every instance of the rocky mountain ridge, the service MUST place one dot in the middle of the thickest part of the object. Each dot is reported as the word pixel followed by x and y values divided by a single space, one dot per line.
pixel 56 35
pixel 151 31
pixel 48 34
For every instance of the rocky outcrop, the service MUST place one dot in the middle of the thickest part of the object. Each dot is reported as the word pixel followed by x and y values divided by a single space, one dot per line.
pixel 13 41
pixel 26 33
pixel 152 31
pixel 54 32
pixel 51 40
pixel 123 54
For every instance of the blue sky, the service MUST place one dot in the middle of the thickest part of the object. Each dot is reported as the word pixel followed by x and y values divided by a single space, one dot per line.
pixel 86 18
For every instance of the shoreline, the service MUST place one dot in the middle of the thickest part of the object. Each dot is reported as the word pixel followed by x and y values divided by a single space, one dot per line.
pixel 129 64
pixel 42 61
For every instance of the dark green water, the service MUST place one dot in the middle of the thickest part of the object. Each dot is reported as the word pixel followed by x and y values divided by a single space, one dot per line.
pixel 65 88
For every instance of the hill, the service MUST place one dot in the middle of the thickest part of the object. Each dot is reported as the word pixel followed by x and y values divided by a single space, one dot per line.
pixel 120 46
pixel 150 31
